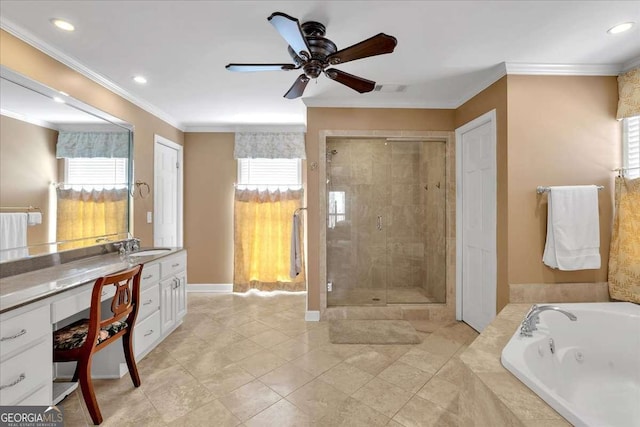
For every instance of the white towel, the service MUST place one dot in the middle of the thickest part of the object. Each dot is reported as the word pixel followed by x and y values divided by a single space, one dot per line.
pixel 34 218
pixel 296 250
pixel 573 228
pixel 13 236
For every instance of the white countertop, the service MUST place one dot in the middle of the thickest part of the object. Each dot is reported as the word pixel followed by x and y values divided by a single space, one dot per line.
pixel 21 289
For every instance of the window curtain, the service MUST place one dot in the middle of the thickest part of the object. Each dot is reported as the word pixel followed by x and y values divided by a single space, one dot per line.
pixel 92 144
pixel 629 94
pixel 84 214
pixel 262 237
pixel 624 255
pixel 269 145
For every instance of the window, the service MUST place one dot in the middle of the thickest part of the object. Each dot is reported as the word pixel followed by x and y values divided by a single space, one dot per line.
pixel 631 146
pixel 96 173
pixel 270 173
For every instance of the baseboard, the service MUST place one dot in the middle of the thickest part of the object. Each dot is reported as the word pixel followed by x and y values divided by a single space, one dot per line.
pixel 312 316
pixel 225 288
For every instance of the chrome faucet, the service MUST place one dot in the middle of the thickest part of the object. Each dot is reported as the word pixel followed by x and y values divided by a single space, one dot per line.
pixel 533 318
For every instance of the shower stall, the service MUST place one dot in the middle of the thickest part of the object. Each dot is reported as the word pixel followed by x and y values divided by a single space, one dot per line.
pixel 386 212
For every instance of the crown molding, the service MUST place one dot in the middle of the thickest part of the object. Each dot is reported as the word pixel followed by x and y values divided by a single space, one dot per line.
pixel 630 65
pixel 563 69
pixel 498 72
pixel 75 65
pixel 225 128
pixel 23 118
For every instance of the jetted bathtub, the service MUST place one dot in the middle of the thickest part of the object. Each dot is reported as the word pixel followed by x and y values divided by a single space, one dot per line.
pixel 587 370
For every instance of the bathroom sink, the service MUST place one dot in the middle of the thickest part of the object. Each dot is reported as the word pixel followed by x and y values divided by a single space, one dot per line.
pixel 150 252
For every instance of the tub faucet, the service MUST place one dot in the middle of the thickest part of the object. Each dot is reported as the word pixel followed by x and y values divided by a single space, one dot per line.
pixel 533 318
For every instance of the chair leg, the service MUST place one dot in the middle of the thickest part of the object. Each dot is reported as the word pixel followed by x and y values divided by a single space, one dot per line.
pixel 127 344
pixel 86 385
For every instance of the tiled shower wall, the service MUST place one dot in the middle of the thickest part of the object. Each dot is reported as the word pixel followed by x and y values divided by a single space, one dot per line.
pixel 404 183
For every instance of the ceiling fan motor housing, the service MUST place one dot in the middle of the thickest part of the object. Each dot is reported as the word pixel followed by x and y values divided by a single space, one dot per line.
pixel 320 47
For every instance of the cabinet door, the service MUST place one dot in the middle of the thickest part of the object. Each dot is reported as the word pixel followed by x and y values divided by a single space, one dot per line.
pixel 167 307
pixel 180 296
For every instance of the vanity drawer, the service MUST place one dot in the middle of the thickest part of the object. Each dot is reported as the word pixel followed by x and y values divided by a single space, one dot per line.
pixel 150 275
pixel 149 302
pixel 69 306
pixel 173 265
pixel 23 329
pixel 146 333
pixel 41 397
pixel 25 372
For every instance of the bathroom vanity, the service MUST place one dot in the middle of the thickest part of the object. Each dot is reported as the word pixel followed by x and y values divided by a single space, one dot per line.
pixel 34 303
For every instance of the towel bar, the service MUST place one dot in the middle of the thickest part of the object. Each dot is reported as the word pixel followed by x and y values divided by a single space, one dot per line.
pixel 540 189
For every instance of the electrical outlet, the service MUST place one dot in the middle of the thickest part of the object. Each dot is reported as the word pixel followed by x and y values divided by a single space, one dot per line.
pixel 149 217
pixel 329 286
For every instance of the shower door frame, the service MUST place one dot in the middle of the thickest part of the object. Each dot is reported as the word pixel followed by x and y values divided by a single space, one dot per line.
pixel 444 310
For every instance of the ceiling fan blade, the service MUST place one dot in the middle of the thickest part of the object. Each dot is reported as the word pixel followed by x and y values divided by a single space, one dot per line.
pixel 298 87
pixel 290 30
pixel 376 45
pixel 260 67
pixel 356 83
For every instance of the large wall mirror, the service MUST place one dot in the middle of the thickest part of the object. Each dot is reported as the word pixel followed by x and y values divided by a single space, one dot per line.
pixel 65 171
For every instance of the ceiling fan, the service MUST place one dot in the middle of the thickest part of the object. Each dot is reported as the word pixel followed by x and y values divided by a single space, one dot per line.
pixel 314 53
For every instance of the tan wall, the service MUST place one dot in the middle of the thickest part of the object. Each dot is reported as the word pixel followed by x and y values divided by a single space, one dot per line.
pixel 28 166
pixel 495 97
pixel 352 119
pixel 562 131
pixel 32 63
pixel 209 176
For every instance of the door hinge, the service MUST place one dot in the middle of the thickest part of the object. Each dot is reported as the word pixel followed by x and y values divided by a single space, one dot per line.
pixel 177 165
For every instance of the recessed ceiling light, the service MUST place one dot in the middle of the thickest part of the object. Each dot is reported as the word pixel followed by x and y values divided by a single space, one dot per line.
pixel 62 24
pixel 140 79
pixel 620 28
pixel 58 99
pixel 63 93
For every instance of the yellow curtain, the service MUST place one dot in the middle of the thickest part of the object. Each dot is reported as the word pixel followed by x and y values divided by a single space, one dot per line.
pixel 86 214
pixel 624 256
pixel 629 94
pixel 262 238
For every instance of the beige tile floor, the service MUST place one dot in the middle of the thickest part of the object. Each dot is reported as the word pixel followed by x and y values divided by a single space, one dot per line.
pixel 251 360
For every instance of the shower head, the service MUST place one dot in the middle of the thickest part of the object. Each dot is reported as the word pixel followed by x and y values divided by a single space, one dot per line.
pixel 330 154
pixel 333 152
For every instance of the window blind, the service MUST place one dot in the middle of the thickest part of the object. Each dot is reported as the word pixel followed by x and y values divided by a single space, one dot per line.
pixel 99 172
pixel 631 136
pixel 269 173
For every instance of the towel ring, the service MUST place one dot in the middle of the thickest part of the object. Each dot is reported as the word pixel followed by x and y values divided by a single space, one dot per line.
pixel 138 189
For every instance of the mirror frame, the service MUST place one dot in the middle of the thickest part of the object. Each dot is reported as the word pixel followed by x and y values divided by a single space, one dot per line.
pixel 46 91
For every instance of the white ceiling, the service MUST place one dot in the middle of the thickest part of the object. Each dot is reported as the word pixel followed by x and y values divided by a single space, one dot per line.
pixel 447 50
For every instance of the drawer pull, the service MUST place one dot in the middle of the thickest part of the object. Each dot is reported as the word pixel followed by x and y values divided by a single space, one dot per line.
pixel 148 333
pixel 147 277
pixel 20 379
pixel 147 302
pixel 177 264
pixel 104 293
pixel 12 337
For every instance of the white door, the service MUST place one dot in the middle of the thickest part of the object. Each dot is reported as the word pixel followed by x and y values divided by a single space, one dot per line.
pixel 476 221
pixel 167 229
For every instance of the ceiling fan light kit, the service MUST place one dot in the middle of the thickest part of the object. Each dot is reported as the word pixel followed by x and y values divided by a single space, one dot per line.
pixel 312 52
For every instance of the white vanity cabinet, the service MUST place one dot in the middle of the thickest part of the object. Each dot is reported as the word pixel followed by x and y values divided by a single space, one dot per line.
pixel 173 291
pixel 25 357
pixel 147 330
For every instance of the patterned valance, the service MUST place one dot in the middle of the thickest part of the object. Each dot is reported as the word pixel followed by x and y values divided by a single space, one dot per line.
pixel 629 94
pixel 92 144
pixel 269 145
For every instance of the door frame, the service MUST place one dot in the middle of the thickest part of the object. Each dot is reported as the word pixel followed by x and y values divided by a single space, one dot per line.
pixel 180 185
pixel 489 117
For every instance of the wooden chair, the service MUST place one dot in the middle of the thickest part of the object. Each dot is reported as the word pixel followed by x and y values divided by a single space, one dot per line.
pixel 80 340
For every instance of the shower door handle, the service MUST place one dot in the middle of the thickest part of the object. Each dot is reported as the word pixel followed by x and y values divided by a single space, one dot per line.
pixel 379 222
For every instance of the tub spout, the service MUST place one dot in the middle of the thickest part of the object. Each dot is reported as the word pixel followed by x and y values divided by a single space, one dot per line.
pixel 533 318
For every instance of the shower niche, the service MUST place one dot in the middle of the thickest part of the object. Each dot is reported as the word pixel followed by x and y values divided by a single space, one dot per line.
pixel 386 230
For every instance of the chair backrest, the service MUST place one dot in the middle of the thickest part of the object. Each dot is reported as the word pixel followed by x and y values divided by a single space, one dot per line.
pixel 124 301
